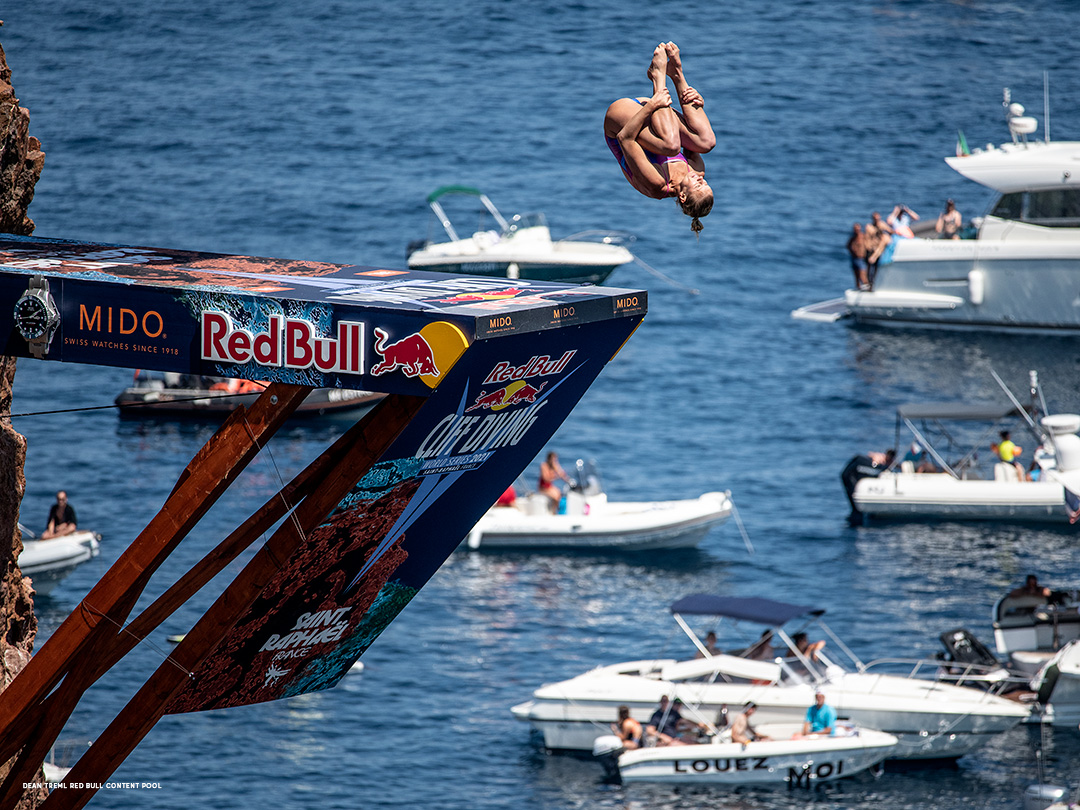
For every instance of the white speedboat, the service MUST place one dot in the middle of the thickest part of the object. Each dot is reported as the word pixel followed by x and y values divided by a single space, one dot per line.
pixel 47 562
pixel 930 718
pixel 959 489
pixel 780 760
pixel 587 520
pixel 521 247
pixel 1020 268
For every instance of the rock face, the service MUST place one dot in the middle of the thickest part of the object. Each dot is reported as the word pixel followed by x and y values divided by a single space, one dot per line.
pixel 21 160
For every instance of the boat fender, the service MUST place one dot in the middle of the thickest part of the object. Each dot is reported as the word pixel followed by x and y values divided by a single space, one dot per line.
pixel 976 287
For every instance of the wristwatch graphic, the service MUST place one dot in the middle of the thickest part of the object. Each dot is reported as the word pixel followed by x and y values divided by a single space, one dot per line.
pixel 36 316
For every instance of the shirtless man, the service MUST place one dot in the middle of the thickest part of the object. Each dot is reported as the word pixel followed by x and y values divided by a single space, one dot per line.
pixel 741 730
pixel 61 518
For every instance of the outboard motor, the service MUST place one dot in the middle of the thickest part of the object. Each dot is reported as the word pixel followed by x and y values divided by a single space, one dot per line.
pixel 607 749
pixel 1039 797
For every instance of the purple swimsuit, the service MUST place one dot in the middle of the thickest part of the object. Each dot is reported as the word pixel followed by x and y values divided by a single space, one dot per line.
pixel 655 159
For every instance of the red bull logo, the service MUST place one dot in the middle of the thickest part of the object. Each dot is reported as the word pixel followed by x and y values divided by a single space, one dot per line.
pixel 412 354
pixel 537 366
pixel 289 342
pixel 512 394
pixel 494 295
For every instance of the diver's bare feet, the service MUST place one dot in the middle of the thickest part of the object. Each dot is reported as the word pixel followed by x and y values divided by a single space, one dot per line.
pixel 658 67
pixel 674 65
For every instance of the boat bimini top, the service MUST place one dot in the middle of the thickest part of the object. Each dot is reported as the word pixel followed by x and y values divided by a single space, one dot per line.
pixel 745 608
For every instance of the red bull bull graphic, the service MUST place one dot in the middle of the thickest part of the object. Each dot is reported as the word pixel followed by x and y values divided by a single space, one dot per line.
pixel 492 295
pixel 412 354
pixel 513 394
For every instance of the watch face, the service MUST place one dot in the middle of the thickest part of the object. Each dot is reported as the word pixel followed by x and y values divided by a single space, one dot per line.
pixel 31 317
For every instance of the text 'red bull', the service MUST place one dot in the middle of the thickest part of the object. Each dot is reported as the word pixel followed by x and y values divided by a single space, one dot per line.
pixel 288 342
pixel 536 366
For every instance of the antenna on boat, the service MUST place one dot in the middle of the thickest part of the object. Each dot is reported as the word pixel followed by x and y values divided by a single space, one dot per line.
pixel 1046 105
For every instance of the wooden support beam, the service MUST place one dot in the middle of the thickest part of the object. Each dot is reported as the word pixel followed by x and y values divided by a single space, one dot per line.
pixel 108 604
pixel 149 704
pixel 191 582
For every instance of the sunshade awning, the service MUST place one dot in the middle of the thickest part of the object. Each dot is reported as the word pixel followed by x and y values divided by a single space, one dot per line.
pixel 748 608
pixel 977 411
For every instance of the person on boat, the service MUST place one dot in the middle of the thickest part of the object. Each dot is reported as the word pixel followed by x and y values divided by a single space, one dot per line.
pixel 949 221
pixel 741 730
pixel 1031 587
pixel 820 718
pixel 856 248
pixel 1009 452
pixel 508 497
pixel 550 472
pixel 808 649
pixel 878 241
pixel 62 519
pixel 628 729
pixel 900 221
pixel 710 646
pixel 916 454
pixel 667 725
pixel 762 649
pixel 659 149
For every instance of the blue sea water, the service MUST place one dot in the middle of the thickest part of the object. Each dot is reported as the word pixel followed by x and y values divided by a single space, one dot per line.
pixel 299 130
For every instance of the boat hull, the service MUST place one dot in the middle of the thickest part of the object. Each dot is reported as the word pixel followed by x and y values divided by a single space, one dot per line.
pixel 768 762
pixel 919 496
pixel 141 403
pixel 626 526
pixel 47 562
pixel 1016 284
pixel 931 720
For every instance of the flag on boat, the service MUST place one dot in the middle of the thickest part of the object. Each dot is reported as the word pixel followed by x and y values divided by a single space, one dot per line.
pixel 961 144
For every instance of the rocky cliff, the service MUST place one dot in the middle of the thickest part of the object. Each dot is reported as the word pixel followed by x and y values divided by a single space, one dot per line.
pixel 21 160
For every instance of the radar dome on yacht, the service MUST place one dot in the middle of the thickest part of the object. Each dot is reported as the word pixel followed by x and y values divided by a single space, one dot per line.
pixel 1061 423
pixel 1023 125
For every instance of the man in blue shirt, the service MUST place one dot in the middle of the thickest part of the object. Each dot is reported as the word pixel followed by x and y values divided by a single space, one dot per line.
pixel 820 718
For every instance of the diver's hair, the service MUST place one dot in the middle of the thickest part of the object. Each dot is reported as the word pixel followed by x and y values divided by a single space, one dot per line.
pixel 696 209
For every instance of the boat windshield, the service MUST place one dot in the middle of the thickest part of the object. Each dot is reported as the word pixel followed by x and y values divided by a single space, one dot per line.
pixel 1052 208
pixel 521 221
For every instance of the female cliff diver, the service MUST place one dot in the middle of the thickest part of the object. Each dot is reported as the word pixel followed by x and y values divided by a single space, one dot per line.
pixel 659 149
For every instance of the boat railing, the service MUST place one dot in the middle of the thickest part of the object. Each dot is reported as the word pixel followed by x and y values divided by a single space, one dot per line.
pixel 604 237
pixel 993 680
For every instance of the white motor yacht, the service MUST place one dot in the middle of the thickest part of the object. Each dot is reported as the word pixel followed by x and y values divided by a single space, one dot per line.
pixel 47 562
pixel 520 247
pixel 1018 268
pixel 931 719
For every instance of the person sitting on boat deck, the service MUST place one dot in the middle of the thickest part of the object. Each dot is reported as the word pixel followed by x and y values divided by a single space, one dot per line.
pixel 762 649
pixel 820 718
pixel 949 221
pixel 628 729
pixel 1008 452
pixel 658 149
pixel 1031 587
pixel 667 726
pixel 856 248
pixel 803 645
pixel 741 730
pixel 550 472
pixel 916 454
pixel 508 497
pixel 62 519
pixel 710 645
pixel 1034 471
pixel 900 221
